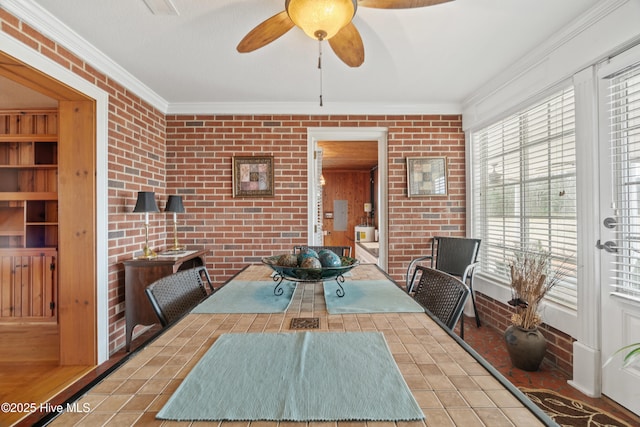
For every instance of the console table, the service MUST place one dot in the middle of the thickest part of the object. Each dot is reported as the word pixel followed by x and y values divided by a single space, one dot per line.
pixel 140 273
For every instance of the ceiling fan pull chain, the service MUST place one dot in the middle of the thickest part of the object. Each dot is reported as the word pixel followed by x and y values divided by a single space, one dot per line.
pixel 320 67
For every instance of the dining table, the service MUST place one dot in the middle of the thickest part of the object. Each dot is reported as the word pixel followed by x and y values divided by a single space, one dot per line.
pixel 450 382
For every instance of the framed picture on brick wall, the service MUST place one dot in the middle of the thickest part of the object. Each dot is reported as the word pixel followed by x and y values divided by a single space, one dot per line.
pixel 253 176
pixel 426 176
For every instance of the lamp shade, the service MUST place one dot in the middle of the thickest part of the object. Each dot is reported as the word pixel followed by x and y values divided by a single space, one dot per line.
pixel 321 19
pixel 146 202
pixel 174 204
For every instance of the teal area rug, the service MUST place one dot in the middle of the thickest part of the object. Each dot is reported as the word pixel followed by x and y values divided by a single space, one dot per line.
pixel 239 296
pixel 369 296
pixel 303 376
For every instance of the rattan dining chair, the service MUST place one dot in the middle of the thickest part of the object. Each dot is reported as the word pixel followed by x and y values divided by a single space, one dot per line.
pixel 442 294
pixel 457 256
pixel 338 250
pixel 173 296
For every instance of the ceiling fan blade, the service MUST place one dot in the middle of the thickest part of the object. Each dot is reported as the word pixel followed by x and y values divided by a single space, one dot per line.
pixel 399 4
pixel 347 45
pixel 266 32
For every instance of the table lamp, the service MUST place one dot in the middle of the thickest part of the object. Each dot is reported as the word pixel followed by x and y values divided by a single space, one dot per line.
pixel 146 203
pixel 174 204
pixel 367 210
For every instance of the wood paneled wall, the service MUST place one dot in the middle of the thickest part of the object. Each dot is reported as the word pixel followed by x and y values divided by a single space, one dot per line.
pixel 354 187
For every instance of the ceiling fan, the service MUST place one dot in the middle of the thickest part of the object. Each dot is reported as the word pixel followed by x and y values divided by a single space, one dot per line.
pixel 324 20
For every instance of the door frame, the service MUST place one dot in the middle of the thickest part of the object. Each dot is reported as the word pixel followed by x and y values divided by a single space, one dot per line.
pixel 346 134
pixel 97 296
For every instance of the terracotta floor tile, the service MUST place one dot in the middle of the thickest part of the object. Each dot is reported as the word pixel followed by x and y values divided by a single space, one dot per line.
pixel 148 419
pixel 113 403
pixel 451 399
pixel 417 382
pixel 477 399
pixel 465 417
pixel 464 383
pixel 267 424
pixel 503 398
pixel 154 386
pixel 437 418
pixel 139 402
pixel 521 417
pixel 430 369
pixel 92 419
pixel 493 417
pixel 130 386
pixel 427 399
pixel 375 424
pixel 107 386
pixel 124 419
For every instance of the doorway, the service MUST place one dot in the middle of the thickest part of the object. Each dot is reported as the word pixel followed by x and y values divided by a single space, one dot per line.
pixel 82 158
pixel 345 136
pixel 619 86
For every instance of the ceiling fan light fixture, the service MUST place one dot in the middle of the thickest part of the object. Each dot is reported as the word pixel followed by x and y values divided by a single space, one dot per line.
pixel 321 19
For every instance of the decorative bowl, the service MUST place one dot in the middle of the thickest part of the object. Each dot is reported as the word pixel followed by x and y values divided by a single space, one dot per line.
pixel 311 274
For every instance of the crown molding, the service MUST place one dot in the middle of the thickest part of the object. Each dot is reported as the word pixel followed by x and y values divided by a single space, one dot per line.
pixel 43 21
pixel 309 108
pixel 538 55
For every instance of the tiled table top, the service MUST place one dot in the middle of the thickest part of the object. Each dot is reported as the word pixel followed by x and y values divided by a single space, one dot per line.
pixel 451 386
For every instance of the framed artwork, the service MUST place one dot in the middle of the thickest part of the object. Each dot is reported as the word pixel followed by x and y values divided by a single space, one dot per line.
pixel 426 176
pixel 253 176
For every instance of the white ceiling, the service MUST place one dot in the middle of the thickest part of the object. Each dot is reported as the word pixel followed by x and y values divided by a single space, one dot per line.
pixel 428 59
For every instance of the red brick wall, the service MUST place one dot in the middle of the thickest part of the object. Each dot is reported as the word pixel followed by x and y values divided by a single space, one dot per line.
pixel 136 163
pixel 240 231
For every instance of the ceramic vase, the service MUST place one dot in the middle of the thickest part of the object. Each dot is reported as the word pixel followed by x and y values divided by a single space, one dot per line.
pixel 526 347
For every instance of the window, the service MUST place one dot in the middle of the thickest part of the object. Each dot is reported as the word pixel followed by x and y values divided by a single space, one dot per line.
pixel 624 136
pixel 524 190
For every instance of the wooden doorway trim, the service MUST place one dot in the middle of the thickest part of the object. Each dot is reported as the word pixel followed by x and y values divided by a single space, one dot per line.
pixel 77 233
pixel 83 278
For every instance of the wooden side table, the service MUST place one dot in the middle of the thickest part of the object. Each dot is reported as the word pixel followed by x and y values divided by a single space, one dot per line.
pixel 140 273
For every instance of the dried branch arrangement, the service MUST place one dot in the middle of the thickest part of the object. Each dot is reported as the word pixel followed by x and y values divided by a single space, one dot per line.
pixel 531 279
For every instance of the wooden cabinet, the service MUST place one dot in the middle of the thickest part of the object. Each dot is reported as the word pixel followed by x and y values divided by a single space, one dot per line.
pixel 140 273
pixel 27 285
pixel 28 214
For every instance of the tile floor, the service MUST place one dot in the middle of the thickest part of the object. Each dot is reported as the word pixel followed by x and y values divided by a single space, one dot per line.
pixel 485 340
pixel 488 342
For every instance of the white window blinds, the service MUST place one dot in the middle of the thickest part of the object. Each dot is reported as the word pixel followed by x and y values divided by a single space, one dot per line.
pixel 624 136
pixel 524 190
